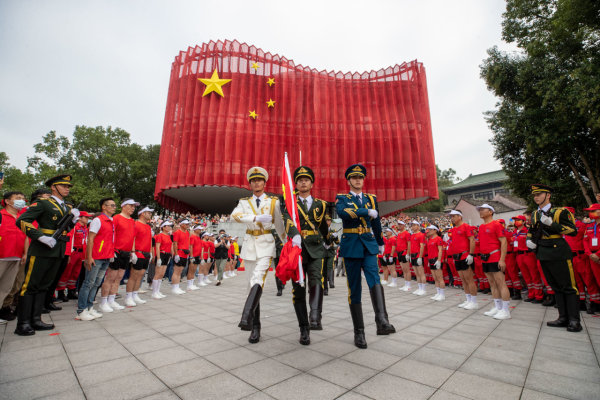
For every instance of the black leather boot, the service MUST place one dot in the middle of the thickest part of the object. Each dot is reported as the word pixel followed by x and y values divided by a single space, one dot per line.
pixel 72 294
pixel 315 301
pixel 280 286
pixel 549 300
pixel 563 319
pixel 255 333
pixel 302 315
pixel 381 317
pixel 330 277
pixel 572 301
pixel 325 287
pixel 7 314
pixel 36 314
pixel 359 326
pixel 62 296
pixel 24 310
pixel 516 295
pixel 251 304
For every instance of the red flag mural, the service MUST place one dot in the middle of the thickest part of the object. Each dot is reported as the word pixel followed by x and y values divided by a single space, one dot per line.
pixel 231 106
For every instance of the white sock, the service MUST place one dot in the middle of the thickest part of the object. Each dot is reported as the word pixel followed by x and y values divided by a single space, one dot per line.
pixel 407 283
pixel 505 305
pixel 498 303
pixel 442 291
pixel 155 286
pixel 128 295
pixel 468 297
pixel 190 283
pixel 104 300
pixel 158 283
pixel 437 289
pixel 473 299
pixel 135 294
pixel 176 286
pixel 111 298
pixel 200 277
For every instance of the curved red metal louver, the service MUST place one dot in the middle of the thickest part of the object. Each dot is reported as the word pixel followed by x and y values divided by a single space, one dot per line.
pixel 329 119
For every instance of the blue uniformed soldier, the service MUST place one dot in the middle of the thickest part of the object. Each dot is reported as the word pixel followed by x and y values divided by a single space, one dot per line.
pixel 360 244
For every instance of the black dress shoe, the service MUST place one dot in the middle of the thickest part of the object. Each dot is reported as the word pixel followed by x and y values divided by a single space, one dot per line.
pixel 561 322
pixel 536 301
pixel 304 336
pixel 574 326
pixel 516 295
pixel 279 293
pixel 52 307
pixel 549 301
pixel 529 300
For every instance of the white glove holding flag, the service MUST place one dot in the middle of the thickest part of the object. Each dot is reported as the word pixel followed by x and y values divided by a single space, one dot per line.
pixel 546 220
pixel 75 213
pixel 531 245
pixel 372 213
pixel 469 259
pixel 263 218
pixel 48 241
pixel 296 240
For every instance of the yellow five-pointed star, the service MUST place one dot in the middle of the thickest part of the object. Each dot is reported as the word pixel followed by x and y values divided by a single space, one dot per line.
pixel 214 84
pixel 271 82
pixel 253 114
pixel 271 103
pixel 254 65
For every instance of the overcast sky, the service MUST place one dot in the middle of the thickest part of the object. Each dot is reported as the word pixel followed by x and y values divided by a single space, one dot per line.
pixel 67 63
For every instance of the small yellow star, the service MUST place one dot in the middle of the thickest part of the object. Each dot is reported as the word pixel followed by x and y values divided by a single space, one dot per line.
pixel 271 103
pixel 214 84
pixel 253 114
pixel 255 66
pixel 271 82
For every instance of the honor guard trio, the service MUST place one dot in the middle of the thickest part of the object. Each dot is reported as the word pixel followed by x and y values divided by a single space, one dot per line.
pixel 107 248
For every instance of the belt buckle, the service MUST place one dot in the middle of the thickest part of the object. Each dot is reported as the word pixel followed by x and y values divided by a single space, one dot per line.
pixel 304 234
pixel 361 230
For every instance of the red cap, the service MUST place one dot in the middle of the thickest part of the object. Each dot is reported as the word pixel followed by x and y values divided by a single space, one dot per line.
pixel 571 209
pixel 503 222
pixel 593 207
pixel 521 217
pixel 84 214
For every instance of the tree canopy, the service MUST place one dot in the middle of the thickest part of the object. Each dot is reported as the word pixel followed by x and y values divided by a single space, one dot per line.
pixel 546 127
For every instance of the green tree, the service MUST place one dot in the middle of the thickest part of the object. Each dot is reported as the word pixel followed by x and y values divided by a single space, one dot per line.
pixel 14 178
pixel 446 177
pixel 547 123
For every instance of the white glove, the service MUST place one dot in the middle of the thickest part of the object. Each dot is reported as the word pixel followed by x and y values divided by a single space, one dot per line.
pixel 133 258
pixel 408 258
pixel 158 262
pixel 176 259
pixel 150 259
pixel 296 240
pixel 546 220
pixel 420 262
pixel 326 246
pixel 372 213
pixel 112 260
pixel 381 248
pixel 209 260
pixel 75 213
pixel 48 241
pixel 469 259
pixel 264 218
pixel 202 262
pixel 531 245
pixel 437 264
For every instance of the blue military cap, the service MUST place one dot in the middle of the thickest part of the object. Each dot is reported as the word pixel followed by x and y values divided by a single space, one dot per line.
pixel 356 170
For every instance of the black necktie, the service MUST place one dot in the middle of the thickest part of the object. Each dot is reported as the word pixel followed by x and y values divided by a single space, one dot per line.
pixel 359 199
pixel 257 202
pixel 305 202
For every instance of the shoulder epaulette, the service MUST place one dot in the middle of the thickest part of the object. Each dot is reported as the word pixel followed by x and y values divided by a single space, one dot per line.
pixel 372 195
pixel 273 197
pixel 245 198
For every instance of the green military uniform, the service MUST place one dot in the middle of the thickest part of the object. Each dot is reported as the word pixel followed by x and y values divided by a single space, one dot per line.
pixel 313 230
pixel 43 261
pixel 556 257
pixel 332 241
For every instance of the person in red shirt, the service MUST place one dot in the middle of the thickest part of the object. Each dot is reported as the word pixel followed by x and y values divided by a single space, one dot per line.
pixel 143 256
pixel 461 248
pixel 12 246
pixel 511 275
pixel 388 261
pixel 416 249
pixel 124 238
pixel 196 248
pixel 181 251
pixel 164 251
pixel 403 257
pixel 231 260
pixel 76 250
pixel 492 244
pixel 434 257
pixel 591 241
pixel 205 262
pixel 526 261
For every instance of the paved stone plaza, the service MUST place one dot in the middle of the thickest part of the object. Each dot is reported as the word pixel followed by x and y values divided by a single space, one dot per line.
pixel 189 347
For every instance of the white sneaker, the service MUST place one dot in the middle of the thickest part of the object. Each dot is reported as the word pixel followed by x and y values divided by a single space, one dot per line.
pixel 207 280
pixel 138 300
pixel 393 284
pixel 156 296
pixel 177 291
pixel 225 276
pixel 85 316
pixel 203 283
pixel 471 306
pixel 463 304
pixel 130 302
pixel 141 291
pixel 435 297
pixel 3 321
pixel 106 308
pixel 440 297
pixel 95 313
pixel 423 292
pixel 384 282
pixel 116 306
pixel 162 296
pixel 416 292
pixel 193 287
pixel 491 312
pixel 502 314
pixel 405 288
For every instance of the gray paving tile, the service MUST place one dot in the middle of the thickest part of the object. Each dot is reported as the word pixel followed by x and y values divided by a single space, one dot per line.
pixel 94 374
pixel 36 353
pixel 129 387
pixel 166 395
pixel 234 358
pixel 149 345
pixel 427 374
pixel 272 347
pixel 305 387
pixel 443 395
pixel 562 385
pixel 222 386
pixel 210 346
pixel 74 393
pixel 265 373
pixel 343 373
pixel 158 358
pixel 465 347
pixel 442 358
pixel 560 367
pixel 476 387
pixel 504 356
pixel 303 359
pixel 570 356
pixel 27 343
pixel 97 355
pixel 184 372
pixel 507 373
pixel 529 394
pixel 384 386
pixel 371 358
pixel 38 386
pixel 31 368
pixel 91 344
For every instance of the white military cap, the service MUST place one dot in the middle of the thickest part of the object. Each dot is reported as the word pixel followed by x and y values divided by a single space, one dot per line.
pixel 257 172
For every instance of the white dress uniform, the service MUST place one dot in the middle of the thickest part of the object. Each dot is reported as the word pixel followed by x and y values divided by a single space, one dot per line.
pixel 258 249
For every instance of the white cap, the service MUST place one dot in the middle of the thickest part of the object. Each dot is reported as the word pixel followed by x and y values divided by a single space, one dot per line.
pixel 145 209
pixel 205 234
pixel 432 227
pixel 185 221
pixel 485 206
pixel 198 227
pixel 388 230
pixel 455 212
pixel 401 222
pixel 415 222
pixel 166 223
pixel 130 201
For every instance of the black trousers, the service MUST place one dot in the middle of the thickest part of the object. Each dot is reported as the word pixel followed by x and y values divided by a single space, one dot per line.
pixel 559 274
pixel 40 273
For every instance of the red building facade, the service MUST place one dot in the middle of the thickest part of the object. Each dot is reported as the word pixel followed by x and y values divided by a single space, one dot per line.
pixel 269 106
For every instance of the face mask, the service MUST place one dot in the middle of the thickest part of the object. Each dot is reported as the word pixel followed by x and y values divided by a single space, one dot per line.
pixel 518 223
pixel 594 216
pixel 19 204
